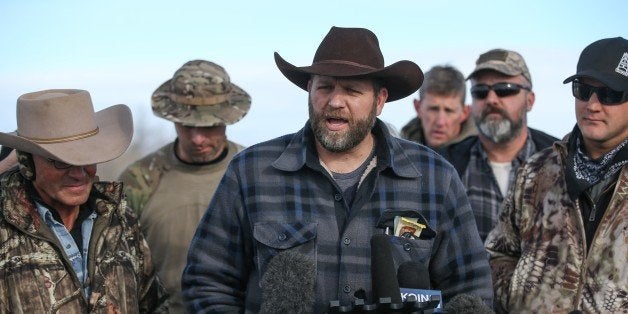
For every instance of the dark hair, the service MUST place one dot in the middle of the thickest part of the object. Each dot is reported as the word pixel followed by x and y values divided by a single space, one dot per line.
pixel 444 80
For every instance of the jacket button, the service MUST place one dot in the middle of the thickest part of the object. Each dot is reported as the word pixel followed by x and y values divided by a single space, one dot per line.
pixel 346 241
pixel 282 237
pixel 407 247
pixel 346 288
pixel 338 197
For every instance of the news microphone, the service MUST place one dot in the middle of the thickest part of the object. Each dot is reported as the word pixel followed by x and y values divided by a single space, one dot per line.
pixel 413 275
pixel 467 304
pixel 288 285
pixel 414 283
pixel 383 272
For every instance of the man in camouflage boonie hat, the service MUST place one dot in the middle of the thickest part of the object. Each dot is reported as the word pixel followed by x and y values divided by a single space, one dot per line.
pixel 171 187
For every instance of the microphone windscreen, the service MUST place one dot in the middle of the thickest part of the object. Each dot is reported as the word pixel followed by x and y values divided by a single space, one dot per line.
pixel 288 285
pixel 467 304
pixel 383 274
pixel 413 275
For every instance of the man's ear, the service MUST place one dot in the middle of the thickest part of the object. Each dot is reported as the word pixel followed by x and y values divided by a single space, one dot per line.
pixel 382 96
pixel 417 106
pixel 466 111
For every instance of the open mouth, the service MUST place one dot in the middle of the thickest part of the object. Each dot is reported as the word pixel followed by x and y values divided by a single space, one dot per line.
pixel 335 124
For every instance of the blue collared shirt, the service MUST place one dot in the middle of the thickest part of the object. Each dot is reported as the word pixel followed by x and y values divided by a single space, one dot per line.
pixel 77 258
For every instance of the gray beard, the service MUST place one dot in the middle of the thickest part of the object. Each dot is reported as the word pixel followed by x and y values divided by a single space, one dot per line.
pixel 499 131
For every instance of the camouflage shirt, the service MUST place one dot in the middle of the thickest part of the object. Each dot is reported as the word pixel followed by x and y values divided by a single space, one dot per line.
pixel 37 277
pixel 538 251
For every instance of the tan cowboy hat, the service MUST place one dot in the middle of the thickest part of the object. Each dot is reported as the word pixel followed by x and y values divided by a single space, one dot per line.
pixel 200 94
pixel 61 124
pixel 351 52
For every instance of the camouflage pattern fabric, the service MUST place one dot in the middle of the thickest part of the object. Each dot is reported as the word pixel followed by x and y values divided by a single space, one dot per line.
pixel 142 178
pixel 36 276
pixel 201 94
pixel 538 251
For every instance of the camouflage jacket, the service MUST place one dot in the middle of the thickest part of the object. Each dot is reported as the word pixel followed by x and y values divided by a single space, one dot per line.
pixel 37 277
pixel 538 250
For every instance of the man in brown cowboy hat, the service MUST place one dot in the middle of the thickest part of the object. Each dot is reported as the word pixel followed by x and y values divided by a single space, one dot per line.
pixel 69 244
pixel 171 187
pixel 312 201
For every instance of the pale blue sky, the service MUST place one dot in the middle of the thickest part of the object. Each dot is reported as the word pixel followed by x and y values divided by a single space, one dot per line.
pixel 122 50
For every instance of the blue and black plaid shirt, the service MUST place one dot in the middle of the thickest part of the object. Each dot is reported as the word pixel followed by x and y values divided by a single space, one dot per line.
pixel 276 196
pixel 482 189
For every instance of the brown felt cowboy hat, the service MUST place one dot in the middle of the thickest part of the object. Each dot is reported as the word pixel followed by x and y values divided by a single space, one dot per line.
pixel 61 124
pixel 354 52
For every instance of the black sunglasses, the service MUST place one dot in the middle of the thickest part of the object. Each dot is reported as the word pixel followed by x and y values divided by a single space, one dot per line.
pixel 59 164
pixel 480 91
pixel 606 95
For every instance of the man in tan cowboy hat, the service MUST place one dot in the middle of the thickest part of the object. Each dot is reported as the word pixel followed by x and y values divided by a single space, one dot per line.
pixel 171 187
pixel 69 244
pixel 312 201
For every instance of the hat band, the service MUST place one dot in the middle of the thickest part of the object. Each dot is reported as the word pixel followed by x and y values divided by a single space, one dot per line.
pixel 61 139
pixel 199 101
pixel 347 63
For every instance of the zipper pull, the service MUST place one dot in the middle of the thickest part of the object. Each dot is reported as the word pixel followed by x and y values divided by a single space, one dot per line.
pixel 592 214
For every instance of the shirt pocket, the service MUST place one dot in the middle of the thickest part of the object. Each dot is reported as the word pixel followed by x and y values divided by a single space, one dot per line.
pixel 414 250
pixel 274 237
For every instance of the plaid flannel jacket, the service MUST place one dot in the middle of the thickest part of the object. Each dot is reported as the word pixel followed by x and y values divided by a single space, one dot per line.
pixel 276 196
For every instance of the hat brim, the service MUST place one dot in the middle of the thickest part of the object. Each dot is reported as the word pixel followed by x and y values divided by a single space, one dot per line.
pixel 401 78
pixel 603 78
pixel 232 110
pixel 115 131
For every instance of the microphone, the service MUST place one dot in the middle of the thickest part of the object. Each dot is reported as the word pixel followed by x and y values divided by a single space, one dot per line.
pixel 288 285
pixel 414 283
pixel 383 277
pixel 467 304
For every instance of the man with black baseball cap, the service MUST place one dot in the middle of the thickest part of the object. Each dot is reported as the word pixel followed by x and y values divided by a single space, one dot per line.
pixel 560 243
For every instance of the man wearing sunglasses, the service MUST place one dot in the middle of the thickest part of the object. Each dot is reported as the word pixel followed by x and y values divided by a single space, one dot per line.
pixel 560 243
pixel 501 90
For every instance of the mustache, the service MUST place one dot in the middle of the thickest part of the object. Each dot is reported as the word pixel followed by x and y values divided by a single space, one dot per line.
pixel 492 110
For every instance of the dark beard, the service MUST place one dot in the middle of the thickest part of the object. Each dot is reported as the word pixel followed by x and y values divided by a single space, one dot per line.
pixel 340 141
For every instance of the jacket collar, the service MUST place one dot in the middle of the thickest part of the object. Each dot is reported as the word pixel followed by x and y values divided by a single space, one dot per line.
pixel 301 151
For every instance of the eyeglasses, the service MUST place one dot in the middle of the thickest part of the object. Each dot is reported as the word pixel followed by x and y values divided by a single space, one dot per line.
pixel 480 91
pixel 605 95
pixel 59 164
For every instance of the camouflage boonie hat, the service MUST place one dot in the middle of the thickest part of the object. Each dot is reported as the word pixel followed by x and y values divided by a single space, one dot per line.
pixel 503 61
pixel 200 94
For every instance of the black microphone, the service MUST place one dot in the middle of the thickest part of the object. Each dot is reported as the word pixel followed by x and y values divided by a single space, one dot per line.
pixel 413 275
pixel 288 285
pixel 383 274
pixel 414 283
pixel 467 304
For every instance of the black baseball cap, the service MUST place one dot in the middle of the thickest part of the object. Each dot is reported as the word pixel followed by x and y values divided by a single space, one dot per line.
pixel 605 60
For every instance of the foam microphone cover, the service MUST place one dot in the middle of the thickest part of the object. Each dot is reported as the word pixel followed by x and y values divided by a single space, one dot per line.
pixel 413 275
pixel 467 304
pixel 383 274
pixel 288 285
